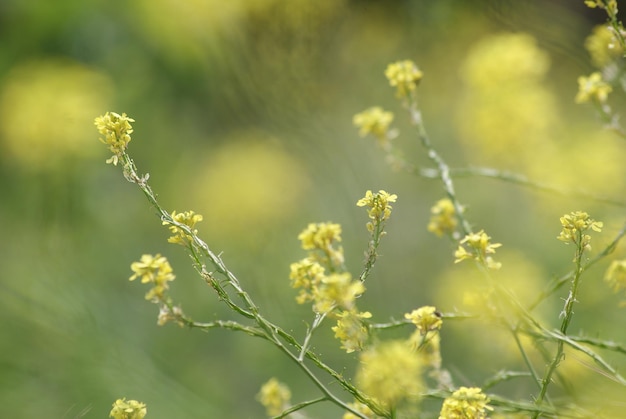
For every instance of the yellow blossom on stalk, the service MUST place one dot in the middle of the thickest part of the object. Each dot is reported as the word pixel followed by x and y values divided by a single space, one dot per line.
pixel 131 409
pixel 443 218
pixel 390 372
pixel 603 46
pixel 425 318
pixel 574 226
pixel 305 274
pixel 336 290
pixel 615 276
pixel 405 76
pixel 274 396
pixel 322 236
pixel 379 206
pixel 609 5
pixel 155 270
pixel 351 331
pixel 188 218
pixel 480 246
pixel 429 347
pixel 359 407
pixel 374 121
pixel 592 88
pixel 465 403
pixel 116 129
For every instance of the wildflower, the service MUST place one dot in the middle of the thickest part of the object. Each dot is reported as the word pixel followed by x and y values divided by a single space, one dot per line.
pixel 465 403
pixel 167 314
pixel 603 46
pixel 609 5
pixel 274 396
pixel 116 130
pixel 615 276
pixel 156 270
pixel 188 218
pixel 425 318
pixel 574 225
pixel 592 88
pixel 351 331
pixel 379 207
pixel 336 290
pixel 481 246
pixel 306 274
pixel 390 372
pixel 322 236
pixel 374 121
pixel 131 409
pixel 405 76
pixel 443 218
pixel 359 407
pixel 428 347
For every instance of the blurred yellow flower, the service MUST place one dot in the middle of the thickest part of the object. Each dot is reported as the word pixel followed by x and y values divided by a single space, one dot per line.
pixel 615 276
pixel 374 121
pixel 274 396
pixel 603 46
pixel 443 218
pixel 351 330
pixel 480 247
pixel 466 403
pixel 47 109
pixel 405 76
pixel 592 88
pixel 131 409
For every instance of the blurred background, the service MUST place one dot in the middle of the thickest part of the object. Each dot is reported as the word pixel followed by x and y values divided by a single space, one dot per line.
pixel 243 113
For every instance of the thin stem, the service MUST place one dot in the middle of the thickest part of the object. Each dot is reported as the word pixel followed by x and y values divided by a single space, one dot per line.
pixel 299 406
pixel 317 321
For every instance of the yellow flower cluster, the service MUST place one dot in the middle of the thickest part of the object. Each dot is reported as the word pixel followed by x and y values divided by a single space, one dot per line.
pixel 443 218
pixel 374 121
pixel 609 5
pixel 616 275
pixel 379 206
pixel 322 237
pixel 359 407
pixel 274 396
pixel 116 129
pixel 405 76
pixel 426 319
pixel 155 270
pixel 351 331
pixel 426 338
pixel 480 247
pixel 131 409
pixel 592 89
pixel 188 218
pixel 574 226
pixel 465 403
pixel 390 372
pixel 602 45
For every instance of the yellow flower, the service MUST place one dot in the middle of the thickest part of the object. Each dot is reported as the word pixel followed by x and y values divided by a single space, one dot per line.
pixel 379 206
pixel 374 121
pixel 481 245
pixel 188 218
pixel 390 372
pixel 131 409
pixel 609 5
pixel 156 270
pixel 425 318
pixel 322 237
pixel 615 276
pixel 603 46
pixel 306 274
pixel 359 407
pixel 592 88
pixel 336 290
pixel 443 218
pixel 405 76
pixel 351 331
pixel 116 129
pixel 274 396
pixel 465 403
pixel 574 226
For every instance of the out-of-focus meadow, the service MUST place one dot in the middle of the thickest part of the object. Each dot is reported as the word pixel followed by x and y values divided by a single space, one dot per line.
pixel 243 113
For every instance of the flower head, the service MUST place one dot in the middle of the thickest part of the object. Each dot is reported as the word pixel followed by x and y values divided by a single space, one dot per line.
pixel 575 225
pixel 131 409
pixel 603 46
pixel 405 76
pixel 351 330
pixel 443 218
pixel 425 318
pixel 116 129
pixel 374 121
pixel 359 407
pixel 592 89
pixel 274 396
pixel 306 275
pixel 337 290
pixel 155 270
pixel 615 276
pixel 465 403
pixel 188 218
pixel 379 206
pixel 609 5
pixel 390 372
pixel 322 237
pixel 480 246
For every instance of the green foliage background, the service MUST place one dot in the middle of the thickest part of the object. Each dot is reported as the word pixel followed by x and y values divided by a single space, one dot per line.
pixel 244 114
